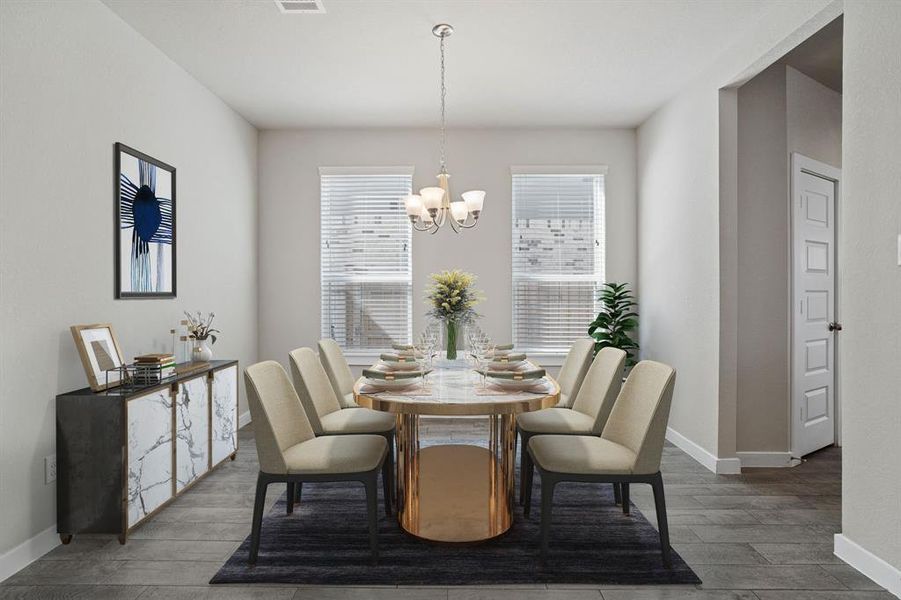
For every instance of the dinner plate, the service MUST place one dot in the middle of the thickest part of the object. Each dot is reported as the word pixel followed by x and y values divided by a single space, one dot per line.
pixel 517 384
pixel 503 365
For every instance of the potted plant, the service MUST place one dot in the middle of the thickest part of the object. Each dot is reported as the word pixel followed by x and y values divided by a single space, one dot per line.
pixel 615 321
pixel 200 329
pixel 452 296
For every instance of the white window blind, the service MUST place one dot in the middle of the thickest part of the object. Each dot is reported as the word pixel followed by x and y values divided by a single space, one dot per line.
pixel 366 272
pixel 558 257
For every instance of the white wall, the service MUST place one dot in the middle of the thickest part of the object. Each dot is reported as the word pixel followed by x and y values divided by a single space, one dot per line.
pixel 76 79
pixel 780 111
pixel 679 228
pixel 870 222
pixel 477 159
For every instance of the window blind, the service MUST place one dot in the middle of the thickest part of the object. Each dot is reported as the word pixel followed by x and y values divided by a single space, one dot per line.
pixel 365 269
pixel 558 258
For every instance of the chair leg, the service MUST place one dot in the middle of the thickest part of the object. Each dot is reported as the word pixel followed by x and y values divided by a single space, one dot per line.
pixel 372 505
pixel 527 472
pixel 624 487
pixel 386 484
pixel 523 458
pixel 547 504
pixel 258 503
pixel 298 487
pixel 289 498
pixel 662 525
pixel 617 494
pixel 391 448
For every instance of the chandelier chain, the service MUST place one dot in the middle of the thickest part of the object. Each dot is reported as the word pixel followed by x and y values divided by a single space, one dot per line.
pixel 443 113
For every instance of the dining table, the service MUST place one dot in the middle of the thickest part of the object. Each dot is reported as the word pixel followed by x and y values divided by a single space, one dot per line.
pixel 456 492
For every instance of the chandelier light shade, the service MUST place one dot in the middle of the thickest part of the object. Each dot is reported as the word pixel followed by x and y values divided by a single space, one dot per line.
pixel 432 207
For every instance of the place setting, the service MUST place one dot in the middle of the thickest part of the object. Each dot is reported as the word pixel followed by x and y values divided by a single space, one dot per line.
pixel 502 370
pixel 404 370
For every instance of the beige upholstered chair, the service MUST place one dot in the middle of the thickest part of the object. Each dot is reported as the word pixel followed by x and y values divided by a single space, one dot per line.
pixel 628 451
pixel 338 372
pixel 324 411
pixel 573 370
pixel 290 452
pixel 589 412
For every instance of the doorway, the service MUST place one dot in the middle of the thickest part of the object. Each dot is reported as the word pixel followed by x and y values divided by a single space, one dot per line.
pixel 815 193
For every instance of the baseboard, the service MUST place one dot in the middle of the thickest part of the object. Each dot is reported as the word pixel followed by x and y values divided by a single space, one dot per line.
pixel 720 466
pixel 27 552
pixel 243 419
pixel 767 459
pixel 869 564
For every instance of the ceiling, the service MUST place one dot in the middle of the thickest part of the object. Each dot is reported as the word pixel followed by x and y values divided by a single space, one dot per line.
pixel 820 56
pixel 510 63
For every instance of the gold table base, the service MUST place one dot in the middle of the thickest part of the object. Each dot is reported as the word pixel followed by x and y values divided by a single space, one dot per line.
pixel 455 492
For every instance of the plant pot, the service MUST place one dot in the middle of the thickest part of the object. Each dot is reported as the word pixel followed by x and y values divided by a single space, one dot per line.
pixel 202 351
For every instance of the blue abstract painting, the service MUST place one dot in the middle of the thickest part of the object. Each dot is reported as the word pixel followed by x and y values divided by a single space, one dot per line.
pixel 145 206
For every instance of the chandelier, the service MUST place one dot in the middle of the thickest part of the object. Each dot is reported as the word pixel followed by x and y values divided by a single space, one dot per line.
pixel 432 207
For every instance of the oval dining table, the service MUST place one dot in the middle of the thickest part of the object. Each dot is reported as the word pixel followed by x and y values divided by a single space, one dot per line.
pixel 456 492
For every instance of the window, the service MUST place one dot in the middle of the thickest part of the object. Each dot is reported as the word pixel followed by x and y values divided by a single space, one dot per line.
pixel 365 269
pixel 558 255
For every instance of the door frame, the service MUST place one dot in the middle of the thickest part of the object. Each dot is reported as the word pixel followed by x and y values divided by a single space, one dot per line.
pixel 804 164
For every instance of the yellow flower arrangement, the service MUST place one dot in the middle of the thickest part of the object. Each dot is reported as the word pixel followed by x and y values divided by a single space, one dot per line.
pixel 451 296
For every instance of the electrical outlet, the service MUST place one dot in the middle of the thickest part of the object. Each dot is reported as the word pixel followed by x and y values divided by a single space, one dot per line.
pixel 50 468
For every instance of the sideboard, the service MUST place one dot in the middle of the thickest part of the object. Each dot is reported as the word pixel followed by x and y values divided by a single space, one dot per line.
pixel 124 453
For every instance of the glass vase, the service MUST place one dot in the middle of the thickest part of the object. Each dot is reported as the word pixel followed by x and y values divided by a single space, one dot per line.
pixel 451 338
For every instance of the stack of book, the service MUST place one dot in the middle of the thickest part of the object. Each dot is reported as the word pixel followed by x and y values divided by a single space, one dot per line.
pixel 152 368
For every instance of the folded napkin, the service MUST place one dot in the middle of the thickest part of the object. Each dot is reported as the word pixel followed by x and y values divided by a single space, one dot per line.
pixel 380 372
pixel 401 358
pixel 503 348
pixel 507 358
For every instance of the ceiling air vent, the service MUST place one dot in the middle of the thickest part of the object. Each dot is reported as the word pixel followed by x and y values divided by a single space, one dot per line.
pixel 300 7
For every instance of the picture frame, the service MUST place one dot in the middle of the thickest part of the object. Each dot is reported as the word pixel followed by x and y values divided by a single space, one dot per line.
pixel 99 350
pixel 145 217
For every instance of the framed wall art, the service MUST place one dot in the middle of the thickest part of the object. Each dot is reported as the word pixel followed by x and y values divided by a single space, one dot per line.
pixel 145 225
pixel 100 354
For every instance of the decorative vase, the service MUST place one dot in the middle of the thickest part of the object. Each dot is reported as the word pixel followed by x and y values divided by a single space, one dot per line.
pixel 451 338
pixel 202 351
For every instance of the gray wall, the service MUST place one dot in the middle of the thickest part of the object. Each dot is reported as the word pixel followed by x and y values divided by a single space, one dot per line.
pixel 780 111
pixel 477 159
pixel 679 223
pixel 870 222
pixel 76 79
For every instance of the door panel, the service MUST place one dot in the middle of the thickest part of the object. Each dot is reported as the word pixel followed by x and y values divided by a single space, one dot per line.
pixel 225 413
pixel 149 453
pixel 813 288
pixel 192 431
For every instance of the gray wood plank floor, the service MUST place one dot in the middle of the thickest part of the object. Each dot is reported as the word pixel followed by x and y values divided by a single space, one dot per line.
pixel 762 535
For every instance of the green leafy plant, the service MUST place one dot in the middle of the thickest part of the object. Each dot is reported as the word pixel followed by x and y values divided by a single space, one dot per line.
pixel 615 320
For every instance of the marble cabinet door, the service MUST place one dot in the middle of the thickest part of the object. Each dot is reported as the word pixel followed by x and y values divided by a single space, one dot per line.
pixel 149 453
pixel 225 413
pixel 192 431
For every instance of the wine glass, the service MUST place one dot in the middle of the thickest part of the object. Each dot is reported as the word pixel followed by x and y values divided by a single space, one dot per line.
pixel 422 354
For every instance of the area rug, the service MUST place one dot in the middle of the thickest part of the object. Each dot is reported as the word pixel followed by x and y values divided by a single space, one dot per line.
pixel 325 542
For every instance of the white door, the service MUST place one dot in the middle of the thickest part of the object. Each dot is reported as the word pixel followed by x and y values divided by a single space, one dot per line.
pixel 814 190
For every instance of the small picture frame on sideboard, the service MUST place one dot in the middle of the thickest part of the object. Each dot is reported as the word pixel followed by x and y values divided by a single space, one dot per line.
pixel 100 354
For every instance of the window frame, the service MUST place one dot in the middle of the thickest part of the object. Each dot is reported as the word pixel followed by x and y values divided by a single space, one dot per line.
pixel 553 356
pixel 360 355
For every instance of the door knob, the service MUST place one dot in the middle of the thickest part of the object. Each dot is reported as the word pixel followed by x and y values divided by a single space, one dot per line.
pixel 835 326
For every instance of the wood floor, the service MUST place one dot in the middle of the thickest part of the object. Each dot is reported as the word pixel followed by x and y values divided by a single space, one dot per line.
pixel 762 535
